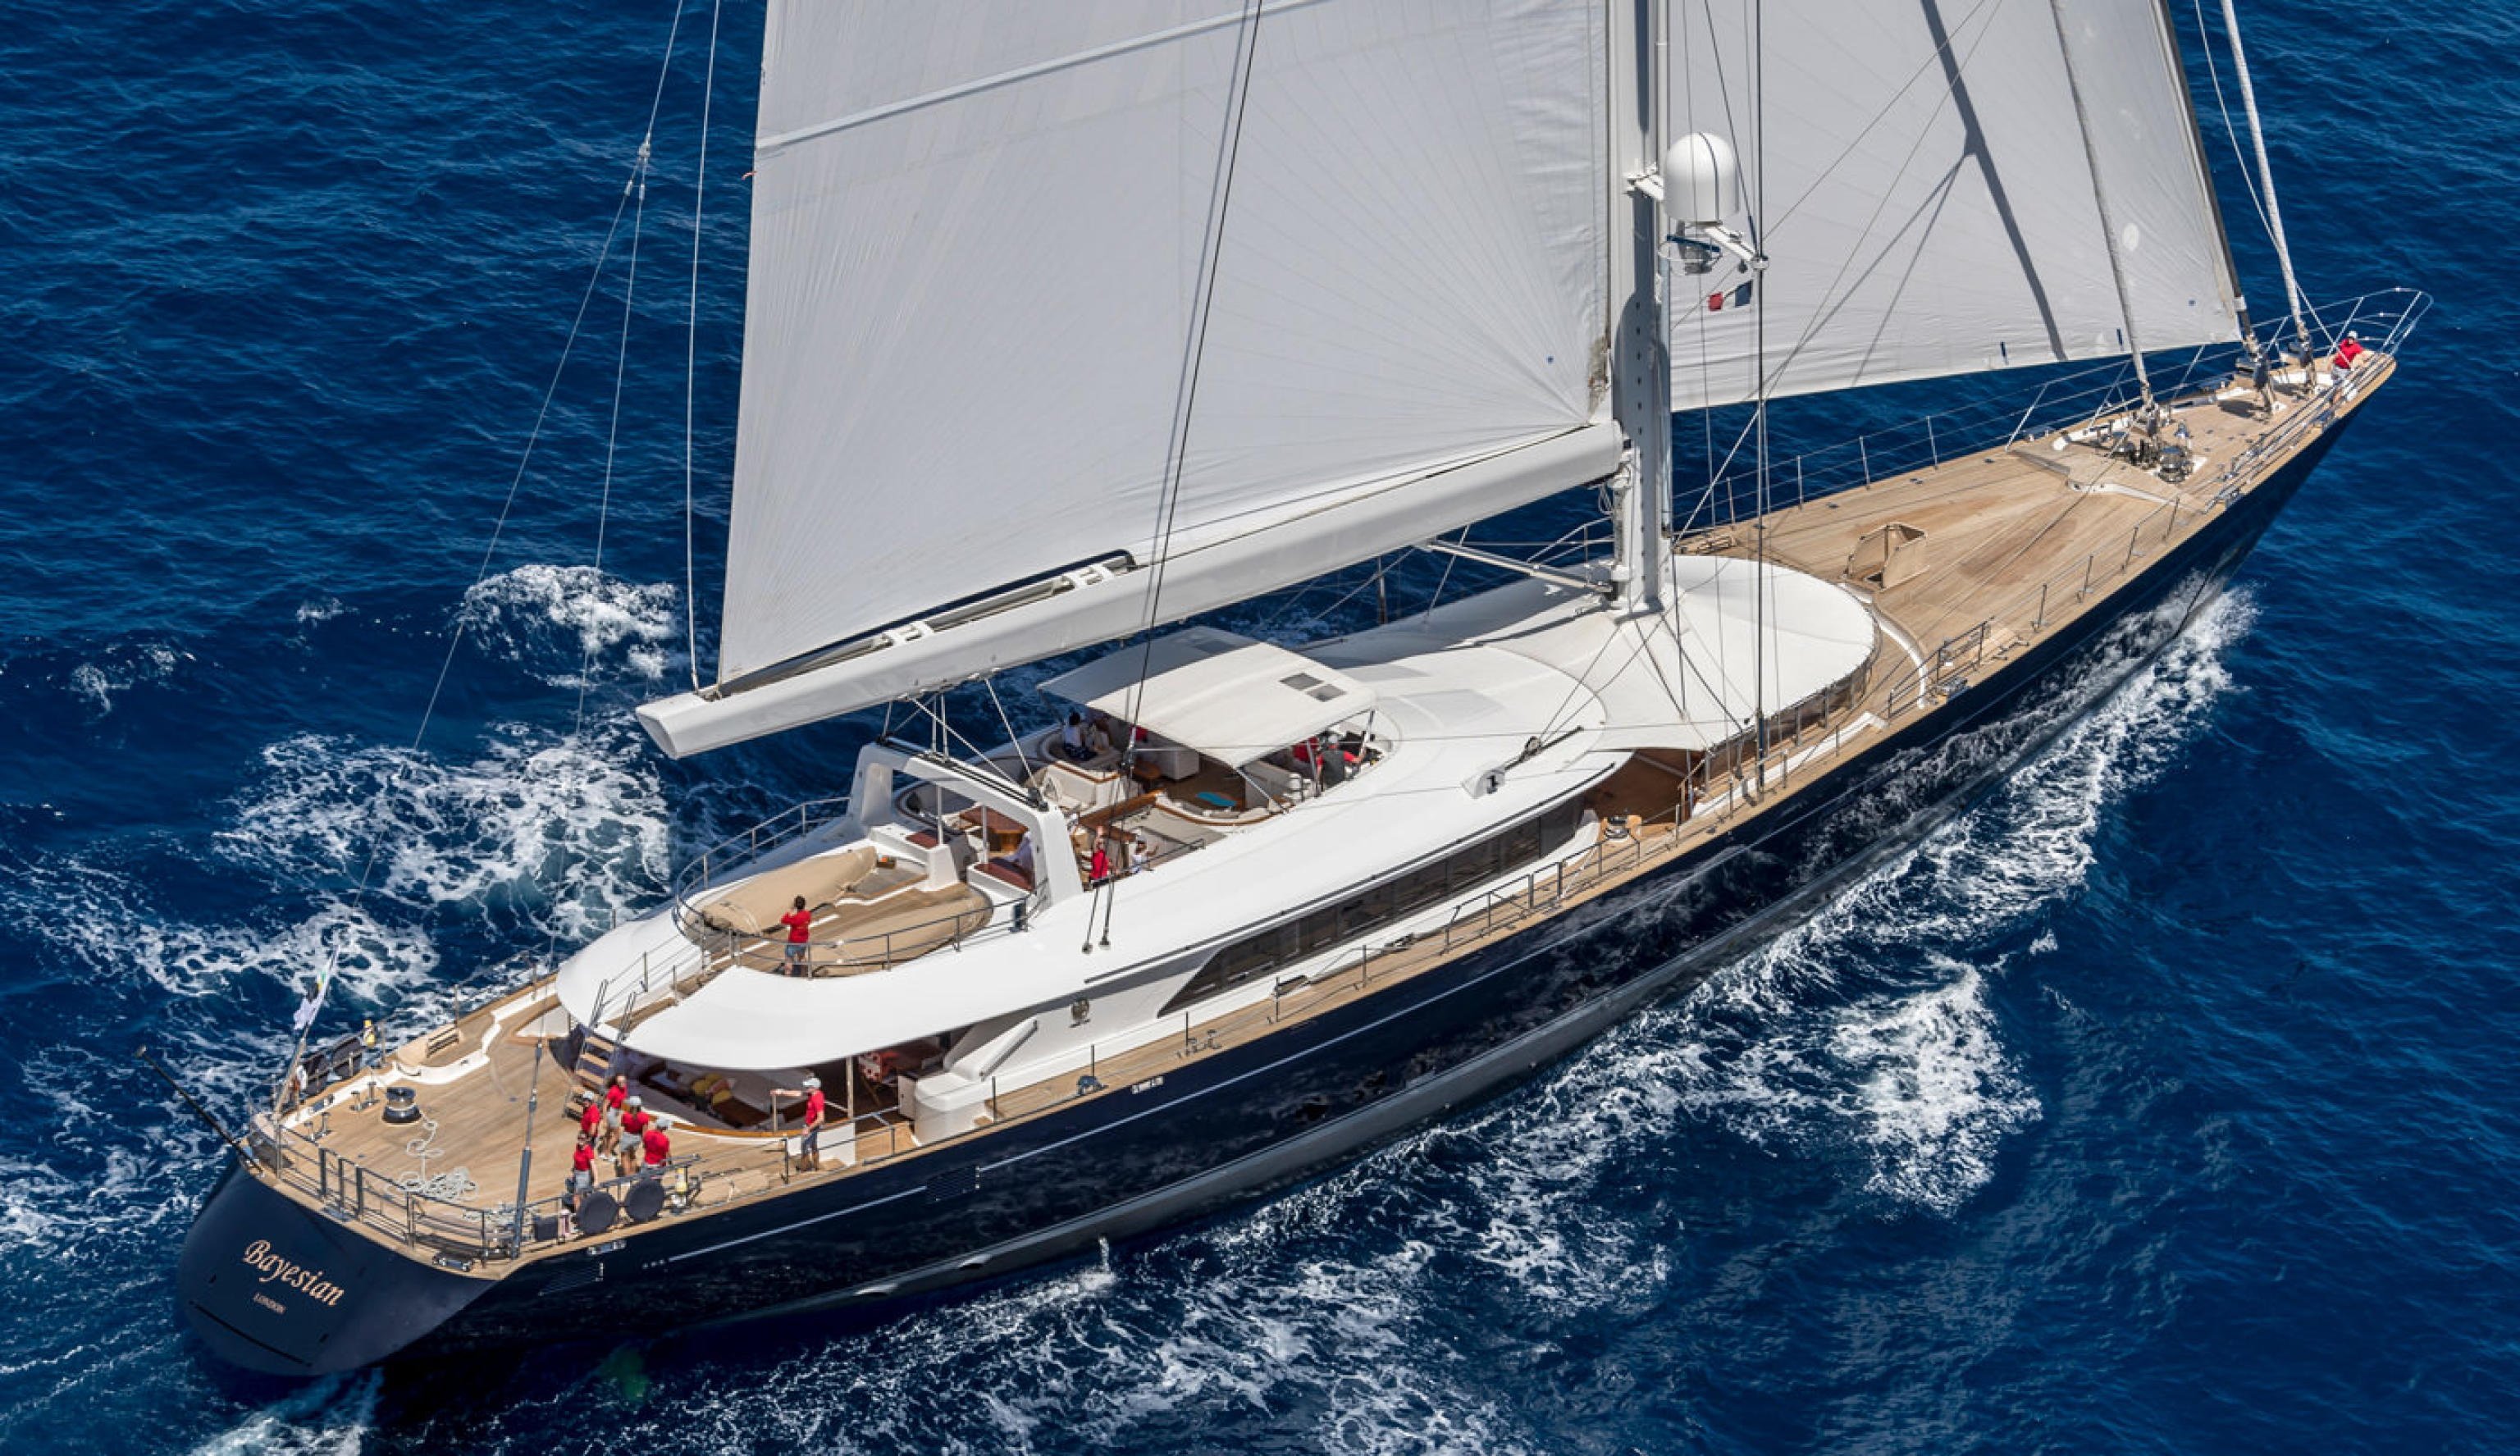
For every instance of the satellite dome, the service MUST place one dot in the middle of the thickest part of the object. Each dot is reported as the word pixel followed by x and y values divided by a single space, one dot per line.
pixel 1701 180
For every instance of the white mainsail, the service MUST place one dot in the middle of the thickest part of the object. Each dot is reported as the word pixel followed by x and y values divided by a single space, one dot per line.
pixel 976 250
pixel 1929 206
pixel 992 267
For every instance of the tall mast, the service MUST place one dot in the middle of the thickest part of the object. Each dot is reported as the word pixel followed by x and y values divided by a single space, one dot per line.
pixel 1640 352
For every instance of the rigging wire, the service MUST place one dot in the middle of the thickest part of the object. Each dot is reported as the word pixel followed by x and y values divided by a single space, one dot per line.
pixel 1759 584
pixel 637 193
pixel 312 1008
pixel 991 683
pixel 1436 600
pixel 692 354
pixel 2259 186
pixel 2101 200
pixel 638 185
pixel 1246 46
pixel 1194 346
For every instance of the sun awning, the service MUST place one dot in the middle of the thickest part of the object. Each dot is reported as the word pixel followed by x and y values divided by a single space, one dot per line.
pixel 1227 695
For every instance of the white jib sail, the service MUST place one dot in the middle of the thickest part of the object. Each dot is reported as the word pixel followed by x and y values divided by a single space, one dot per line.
pixel 976 244
pixel 1929 209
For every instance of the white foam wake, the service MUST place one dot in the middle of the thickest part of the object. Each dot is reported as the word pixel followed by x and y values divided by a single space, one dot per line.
pixel 329 1417
pixel 575 827
pixel 1868 1025
pixel 101 920
pixel 557 620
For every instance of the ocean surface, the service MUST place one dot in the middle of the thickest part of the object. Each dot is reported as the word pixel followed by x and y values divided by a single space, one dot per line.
pixel 2163 1102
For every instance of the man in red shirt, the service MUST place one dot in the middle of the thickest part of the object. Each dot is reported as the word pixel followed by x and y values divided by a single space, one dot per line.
pixel 590 1119
pixel 801 929
pixel 655 1146
pixel 635 1122
pixel 2347 352
pixel 607 1138
pixel 811 1156
pixel 581 1173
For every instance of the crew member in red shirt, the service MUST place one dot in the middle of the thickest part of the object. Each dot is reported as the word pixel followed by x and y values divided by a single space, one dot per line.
pixel 2349 351
pixel 811 1123
pixel 590 1119
pixel 801 929
pixel 581 1175
pixel 655 1146
pixel 607 1138
pixel 635 1122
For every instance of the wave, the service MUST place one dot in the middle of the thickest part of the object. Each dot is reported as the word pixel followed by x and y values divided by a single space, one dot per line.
pixel 573 829
pixel 123 667
pixel 65 906
pixel 1867 1027
pixel 1131 1357
pixel 565 622
pixel 329 1417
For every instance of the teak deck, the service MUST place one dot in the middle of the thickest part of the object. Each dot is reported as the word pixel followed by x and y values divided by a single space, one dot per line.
pixel 2019 541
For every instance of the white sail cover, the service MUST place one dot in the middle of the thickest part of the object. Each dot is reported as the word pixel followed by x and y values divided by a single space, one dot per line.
pixel 976 244
pixel 1929 206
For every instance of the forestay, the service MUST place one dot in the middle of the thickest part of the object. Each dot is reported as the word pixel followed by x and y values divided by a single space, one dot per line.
pixel 977 238
pixel 1929 206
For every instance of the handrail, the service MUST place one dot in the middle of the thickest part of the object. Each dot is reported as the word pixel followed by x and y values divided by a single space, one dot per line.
pixel 2002 420
pixel 699 871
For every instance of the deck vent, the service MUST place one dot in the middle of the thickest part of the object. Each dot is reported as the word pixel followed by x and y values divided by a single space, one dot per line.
pixel 1887 555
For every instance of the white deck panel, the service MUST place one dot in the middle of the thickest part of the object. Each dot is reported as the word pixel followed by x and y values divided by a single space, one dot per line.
pixel 1228 695
pixel 1689 677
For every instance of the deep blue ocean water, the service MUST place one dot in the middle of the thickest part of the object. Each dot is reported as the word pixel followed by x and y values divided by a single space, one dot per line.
pixel 2162 1103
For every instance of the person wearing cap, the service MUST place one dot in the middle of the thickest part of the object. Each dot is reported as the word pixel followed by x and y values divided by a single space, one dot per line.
pixel 2347 352
pixel 581 1171
pixel 654 1147
pixel 606 1113
pixel 811 1123
pixel 635 1123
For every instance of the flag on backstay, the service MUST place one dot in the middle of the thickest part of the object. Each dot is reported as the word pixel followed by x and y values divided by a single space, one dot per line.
pixel 1738 298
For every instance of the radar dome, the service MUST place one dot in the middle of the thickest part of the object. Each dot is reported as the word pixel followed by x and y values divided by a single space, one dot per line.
pixel 1701 180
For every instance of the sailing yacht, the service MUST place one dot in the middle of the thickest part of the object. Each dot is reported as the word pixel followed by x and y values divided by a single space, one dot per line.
pixel 1070 326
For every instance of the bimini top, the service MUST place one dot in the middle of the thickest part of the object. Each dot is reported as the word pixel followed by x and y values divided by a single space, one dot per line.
pixel 1232 699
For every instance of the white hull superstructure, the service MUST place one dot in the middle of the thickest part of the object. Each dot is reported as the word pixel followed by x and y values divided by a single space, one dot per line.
pixel 1471 720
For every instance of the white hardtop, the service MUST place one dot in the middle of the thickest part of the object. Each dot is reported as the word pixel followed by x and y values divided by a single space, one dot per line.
pixel 1228 695
pixel 1688 677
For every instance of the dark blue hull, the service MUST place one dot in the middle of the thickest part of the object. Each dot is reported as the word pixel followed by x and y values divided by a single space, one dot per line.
pixel 1225 1126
